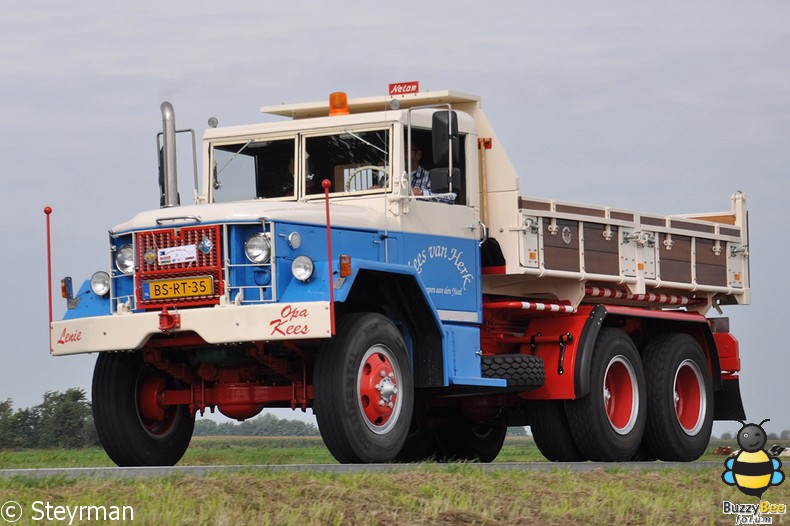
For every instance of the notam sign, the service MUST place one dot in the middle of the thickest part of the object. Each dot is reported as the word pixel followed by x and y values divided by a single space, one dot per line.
pixel 404 88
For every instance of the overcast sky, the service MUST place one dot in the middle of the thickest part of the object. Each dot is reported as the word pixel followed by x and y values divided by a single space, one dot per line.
pixel 666 107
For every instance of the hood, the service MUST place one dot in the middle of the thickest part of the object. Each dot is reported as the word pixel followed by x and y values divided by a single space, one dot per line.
pixel 311 212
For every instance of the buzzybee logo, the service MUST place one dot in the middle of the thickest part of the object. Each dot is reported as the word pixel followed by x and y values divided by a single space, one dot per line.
pixel 753 470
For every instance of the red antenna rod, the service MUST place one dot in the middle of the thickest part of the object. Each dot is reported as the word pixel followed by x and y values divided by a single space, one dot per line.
pixel 48 212
pixel 326 183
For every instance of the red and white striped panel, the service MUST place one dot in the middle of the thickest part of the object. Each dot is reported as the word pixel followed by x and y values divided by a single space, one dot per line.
pixel 665 299
pixel 531 306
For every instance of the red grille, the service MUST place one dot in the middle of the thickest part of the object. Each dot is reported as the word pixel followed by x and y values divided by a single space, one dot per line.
pixel 206 264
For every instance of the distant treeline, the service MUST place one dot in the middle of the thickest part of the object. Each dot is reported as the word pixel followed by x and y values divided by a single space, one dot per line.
pixel 265 425
pixel 65 420
pixel 62 420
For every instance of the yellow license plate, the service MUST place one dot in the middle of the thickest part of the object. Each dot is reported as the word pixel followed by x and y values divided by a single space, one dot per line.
pixel 179 288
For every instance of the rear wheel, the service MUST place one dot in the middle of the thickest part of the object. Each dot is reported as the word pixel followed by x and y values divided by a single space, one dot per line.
pixel 363 390
pixel 549 425
pixel 608 424
pixel 679 397
pixel 132 427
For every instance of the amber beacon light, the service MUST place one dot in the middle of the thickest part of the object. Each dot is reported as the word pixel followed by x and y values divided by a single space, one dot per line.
pixel 338 103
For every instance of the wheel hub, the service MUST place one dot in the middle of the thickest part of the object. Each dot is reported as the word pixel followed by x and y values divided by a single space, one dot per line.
pixel 378 390
pixel 387 389
pixel 148 398
pixel 690 402
pixel 621 395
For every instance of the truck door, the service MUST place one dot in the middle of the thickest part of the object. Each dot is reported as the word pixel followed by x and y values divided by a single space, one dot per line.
pixel 441 241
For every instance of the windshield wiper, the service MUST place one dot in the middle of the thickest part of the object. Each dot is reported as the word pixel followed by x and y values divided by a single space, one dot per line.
pixel 217 183
pixel 365 141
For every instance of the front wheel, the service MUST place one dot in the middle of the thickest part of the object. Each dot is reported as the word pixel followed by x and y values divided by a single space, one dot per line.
pixel 608 424
pixel 132 427
pixel 363 390
pixel 679 397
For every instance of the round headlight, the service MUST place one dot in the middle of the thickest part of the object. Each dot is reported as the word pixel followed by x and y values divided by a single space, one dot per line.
pixel 124 259
pixel 258 248
pixel 100 283
pixel 302 268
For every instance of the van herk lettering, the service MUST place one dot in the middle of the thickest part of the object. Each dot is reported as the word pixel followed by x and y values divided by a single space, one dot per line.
pixel 444 253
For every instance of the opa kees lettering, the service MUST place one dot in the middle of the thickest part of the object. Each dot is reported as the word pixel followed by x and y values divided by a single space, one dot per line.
pixel 292 322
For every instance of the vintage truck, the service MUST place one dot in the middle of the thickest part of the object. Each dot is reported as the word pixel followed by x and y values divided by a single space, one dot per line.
pixel 309 274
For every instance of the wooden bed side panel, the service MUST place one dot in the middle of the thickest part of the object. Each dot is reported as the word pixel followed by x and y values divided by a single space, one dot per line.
pixel 561 249
pixel 601 256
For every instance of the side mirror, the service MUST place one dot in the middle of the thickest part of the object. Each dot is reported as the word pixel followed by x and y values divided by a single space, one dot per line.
pixel 444 133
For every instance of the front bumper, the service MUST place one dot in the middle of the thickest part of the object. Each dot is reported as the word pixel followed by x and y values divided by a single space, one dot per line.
pixel 216 325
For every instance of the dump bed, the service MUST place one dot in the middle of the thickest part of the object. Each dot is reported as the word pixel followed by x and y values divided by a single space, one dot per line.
pixel 574 253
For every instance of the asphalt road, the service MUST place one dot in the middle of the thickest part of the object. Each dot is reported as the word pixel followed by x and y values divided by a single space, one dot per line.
pixel 115 472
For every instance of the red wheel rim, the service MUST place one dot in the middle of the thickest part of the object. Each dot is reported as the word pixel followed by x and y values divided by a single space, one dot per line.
pixel 689 397
pixel 621 395
pixel 379 401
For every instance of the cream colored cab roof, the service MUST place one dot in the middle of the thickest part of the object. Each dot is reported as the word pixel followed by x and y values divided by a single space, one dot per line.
pixel 371 104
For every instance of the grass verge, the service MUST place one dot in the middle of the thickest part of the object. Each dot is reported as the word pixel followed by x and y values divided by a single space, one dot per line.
pixel 206 451
pixel 426 495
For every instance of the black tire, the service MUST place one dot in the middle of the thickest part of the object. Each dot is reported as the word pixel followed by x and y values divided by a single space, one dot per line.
pixel 551 433
pixel 348 389
pixel 127 434
pixel 522 370
pixel 465 440
pixel 679 398
pixel 609 422
pixel 420 445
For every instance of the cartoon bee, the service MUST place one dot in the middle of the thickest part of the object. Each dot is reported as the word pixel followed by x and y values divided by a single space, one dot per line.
pixel 752 470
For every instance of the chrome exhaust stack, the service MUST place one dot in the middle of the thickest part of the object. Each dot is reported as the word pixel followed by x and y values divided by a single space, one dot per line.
pixel 168 178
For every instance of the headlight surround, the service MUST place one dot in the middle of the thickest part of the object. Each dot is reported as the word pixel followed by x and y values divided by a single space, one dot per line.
pixel 124 259
pixel 302 268
pixel 100 283
pixel 258 248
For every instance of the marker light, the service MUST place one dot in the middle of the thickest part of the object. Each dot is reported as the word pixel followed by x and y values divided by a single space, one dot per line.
pixel 124 259
pixel 345 265
pixel 100 283
pixel 66 289
pixel 302 268
pixel 294 240
pixel 338 104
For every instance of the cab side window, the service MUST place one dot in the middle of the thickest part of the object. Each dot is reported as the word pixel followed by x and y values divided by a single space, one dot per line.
pixel 442 180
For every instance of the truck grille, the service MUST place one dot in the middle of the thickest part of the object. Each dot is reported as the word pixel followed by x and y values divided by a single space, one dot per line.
pixel 179 267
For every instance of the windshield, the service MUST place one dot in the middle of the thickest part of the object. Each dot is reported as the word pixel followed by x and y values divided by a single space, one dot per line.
pixel 253 169
pixel 352 160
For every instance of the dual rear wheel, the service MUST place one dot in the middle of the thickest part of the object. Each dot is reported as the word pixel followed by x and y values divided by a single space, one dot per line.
pixel 629 414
